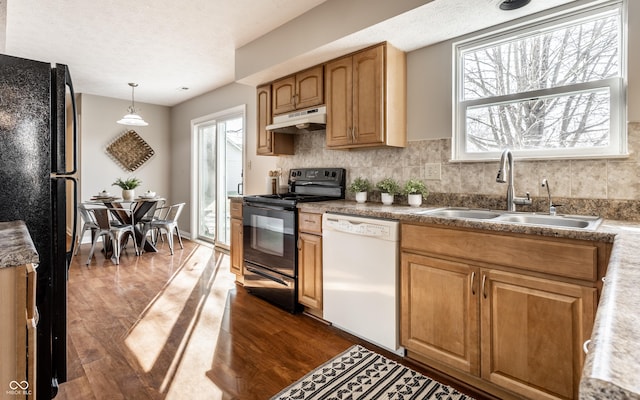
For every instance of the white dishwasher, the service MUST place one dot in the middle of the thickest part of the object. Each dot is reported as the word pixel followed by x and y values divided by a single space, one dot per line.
pixel 360 268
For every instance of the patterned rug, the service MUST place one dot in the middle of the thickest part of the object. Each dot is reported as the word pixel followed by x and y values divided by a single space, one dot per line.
pixel 361 374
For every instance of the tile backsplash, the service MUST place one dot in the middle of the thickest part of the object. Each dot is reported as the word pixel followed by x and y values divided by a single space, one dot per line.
pixel 607 187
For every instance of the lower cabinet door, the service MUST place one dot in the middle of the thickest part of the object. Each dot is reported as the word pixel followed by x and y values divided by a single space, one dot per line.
pixel 236 261
pixel 532 334
pixel 310 271
pixel 439 310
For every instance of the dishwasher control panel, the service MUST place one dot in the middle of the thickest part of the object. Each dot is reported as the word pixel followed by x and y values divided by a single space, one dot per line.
pixel 348 224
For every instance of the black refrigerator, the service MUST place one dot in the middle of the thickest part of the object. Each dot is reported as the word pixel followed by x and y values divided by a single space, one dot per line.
pixel 38 163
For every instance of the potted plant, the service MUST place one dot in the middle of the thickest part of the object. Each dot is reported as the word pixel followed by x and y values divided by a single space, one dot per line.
pixel 360 186
pixel 127 186
pixel 388 188
pixel 415 191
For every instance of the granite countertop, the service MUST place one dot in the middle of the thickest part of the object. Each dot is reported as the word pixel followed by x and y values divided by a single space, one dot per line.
pixel 17 247
pixel 612 366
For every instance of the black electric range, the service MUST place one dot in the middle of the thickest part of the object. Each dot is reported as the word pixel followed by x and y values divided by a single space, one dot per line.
pixel 306 184
pixel 270 231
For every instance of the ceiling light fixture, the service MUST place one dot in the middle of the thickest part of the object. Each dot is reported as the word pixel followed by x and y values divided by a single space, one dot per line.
pixel 513 4
pixel 132 118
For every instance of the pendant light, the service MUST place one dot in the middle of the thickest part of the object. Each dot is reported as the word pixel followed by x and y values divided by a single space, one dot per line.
pixel 132 118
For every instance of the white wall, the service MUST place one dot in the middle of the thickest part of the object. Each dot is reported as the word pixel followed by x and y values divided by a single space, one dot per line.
pixel 429 92
pixel 181 142
pixel 428 114
pixel 98 128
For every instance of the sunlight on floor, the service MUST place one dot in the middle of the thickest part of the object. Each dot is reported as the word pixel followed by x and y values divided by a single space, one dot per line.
pixel 188 314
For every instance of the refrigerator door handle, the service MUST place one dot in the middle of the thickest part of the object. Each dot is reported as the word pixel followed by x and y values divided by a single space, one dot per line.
pixel 69 83
pixel 74 229
pixel 62 82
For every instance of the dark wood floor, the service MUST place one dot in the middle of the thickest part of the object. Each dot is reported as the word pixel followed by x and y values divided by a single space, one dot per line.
pixel 177 327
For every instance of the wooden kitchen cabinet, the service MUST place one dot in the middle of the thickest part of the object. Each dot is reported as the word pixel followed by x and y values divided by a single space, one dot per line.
pixel 532 333
pixel 18 330
pixel 439 311
pixel 507 313
pixel 269 143
pixel 365 97
pixel 236 264
pixel 310 262
pixel 302 90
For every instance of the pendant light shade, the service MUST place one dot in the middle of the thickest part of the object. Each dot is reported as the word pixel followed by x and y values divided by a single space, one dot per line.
pixel 132 118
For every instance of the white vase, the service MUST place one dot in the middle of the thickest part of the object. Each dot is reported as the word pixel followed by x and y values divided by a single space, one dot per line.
pixel 414 200
pixel 361 197
pixel 128 194
pixel 387 198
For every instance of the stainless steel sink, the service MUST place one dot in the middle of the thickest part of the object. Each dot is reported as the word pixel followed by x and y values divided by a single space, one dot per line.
pixel 581 222
pixel 461 213
pixel 558 221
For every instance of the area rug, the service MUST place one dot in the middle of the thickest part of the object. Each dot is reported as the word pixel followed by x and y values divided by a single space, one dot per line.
pixel 360 374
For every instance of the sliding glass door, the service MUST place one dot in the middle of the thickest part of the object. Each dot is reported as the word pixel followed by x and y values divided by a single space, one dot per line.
pixel 219 149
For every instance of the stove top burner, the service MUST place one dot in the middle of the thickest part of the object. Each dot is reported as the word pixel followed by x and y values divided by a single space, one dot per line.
pixel 305 185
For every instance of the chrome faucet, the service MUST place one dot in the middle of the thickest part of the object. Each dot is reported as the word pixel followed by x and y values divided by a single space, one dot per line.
pixel 506 167
pixel 552 207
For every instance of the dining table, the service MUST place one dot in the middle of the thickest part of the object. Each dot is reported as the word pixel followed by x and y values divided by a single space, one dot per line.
pixel 131 214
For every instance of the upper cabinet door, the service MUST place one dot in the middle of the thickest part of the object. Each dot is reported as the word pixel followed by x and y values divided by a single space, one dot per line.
pixel 269 143
pixel 365 95
pixel 310 88
pixel 284 95
pixel 302 90
pixel 368 96
pixel 339 90
pixel 264 119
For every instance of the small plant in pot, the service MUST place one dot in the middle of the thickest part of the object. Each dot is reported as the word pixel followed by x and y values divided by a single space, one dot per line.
pixel 127 186
pixel 360 186
pixel 415 190
pixel 388 188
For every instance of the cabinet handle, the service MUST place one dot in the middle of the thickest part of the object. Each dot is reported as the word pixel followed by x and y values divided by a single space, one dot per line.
pixel 473 286
pixel 484 280
pixel 585 346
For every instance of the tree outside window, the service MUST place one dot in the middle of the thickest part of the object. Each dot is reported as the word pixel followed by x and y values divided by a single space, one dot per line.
pixel 553 90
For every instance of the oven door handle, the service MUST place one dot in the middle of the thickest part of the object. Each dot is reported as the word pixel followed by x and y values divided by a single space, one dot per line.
pixel 264 207
pixel 262 274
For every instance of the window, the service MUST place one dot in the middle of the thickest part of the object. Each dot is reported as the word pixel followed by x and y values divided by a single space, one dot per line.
pixel 546 90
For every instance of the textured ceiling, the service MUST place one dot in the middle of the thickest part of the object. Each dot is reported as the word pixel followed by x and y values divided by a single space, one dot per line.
pixel 166 45
pixel 162 45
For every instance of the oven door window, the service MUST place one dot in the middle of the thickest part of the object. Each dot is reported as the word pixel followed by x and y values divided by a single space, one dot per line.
pixel 270 238
pixel 268 235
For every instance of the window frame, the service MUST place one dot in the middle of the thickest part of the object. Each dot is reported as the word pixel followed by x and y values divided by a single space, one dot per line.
pixel 616 85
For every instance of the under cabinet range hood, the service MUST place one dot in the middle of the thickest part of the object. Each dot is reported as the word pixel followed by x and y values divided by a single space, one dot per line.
pixel 311 119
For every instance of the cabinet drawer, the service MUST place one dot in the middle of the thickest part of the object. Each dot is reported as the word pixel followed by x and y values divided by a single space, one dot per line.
pixel 310 223
pixel 561 257
pixel 236 209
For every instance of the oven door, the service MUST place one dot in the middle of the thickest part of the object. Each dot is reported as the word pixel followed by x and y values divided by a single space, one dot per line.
pixel 270 238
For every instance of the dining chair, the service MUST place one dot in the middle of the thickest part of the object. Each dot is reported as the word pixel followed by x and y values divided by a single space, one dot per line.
pixel 88 224
pixel 168 221
pixel 154 213
pixel 110 230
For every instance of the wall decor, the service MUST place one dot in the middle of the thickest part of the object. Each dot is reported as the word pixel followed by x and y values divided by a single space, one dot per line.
pixel 130 151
